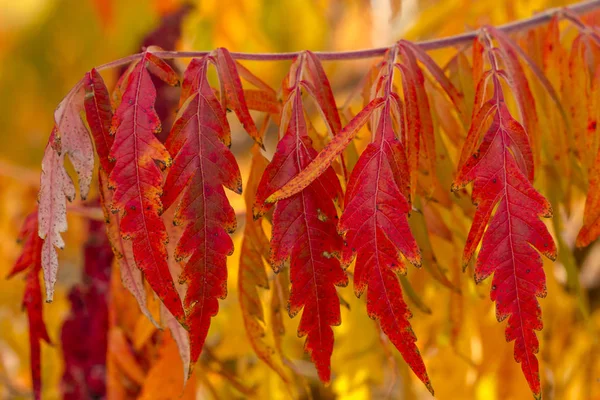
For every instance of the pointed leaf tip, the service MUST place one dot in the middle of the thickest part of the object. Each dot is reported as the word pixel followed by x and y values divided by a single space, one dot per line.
pixel 380 177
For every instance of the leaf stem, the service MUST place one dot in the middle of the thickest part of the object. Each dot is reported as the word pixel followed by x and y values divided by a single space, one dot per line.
pixel 455 40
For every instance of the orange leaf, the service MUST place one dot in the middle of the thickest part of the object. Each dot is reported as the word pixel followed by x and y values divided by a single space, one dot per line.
pixel 323 160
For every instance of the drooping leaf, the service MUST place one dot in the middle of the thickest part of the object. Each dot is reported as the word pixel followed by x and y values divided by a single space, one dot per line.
pixel 375 227
pixel 502 182
pixel 32 302
pixel 55 185
pixel 202 165
pixel 422 233
pixel 122 354
pixel 137 178
pixel 30 261
pixel 179 332
pixel 482 112
pixel 304 232
pixel 69 137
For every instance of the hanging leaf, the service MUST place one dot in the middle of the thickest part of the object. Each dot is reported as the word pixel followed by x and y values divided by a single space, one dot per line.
pixel 304 231
pixel 30 261
pixel 502 174
pixel 55 185
pixel 69 137
pixel 202 165
pixel 137 179
pixel 375 227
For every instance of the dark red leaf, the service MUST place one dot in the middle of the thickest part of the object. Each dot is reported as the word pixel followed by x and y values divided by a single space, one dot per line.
pixel 30 260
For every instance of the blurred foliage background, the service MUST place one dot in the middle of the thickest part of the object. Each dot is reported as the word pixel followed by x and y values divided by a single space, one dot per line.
pixel 45 48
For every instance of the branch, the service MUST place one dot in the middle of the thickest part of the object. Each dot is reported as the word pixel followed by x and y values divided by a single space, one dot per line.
pixel 539 19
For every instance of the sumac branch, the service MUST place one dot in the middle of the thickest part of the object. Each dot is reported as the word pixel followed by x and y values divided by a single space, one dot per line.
pixel 336 215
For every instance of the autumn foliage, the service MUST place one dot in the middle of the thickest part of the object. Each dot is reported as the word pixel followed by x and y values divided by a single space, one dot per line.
pixel 348 196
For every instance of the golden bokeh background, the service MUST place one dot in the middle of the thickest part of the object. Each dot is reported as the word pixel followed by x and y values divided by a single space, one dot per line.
pixel 47 45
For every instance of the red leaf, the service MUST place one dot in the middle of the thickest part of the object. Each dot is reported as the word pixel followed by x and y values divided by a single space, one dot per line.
pixel 202 166
pixel 29 256
pixel 500 171
pixel 304 231
pixel 376 230
pixel 32 302
pixel 31 261
pixel 99 115
pixel 234 93
pixel 138 180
